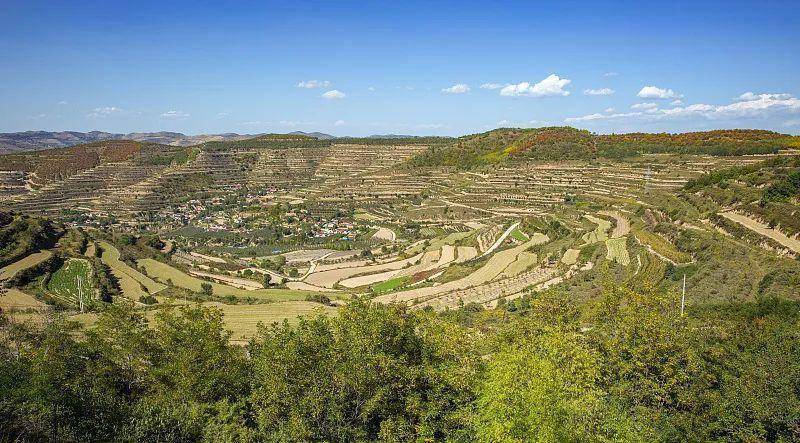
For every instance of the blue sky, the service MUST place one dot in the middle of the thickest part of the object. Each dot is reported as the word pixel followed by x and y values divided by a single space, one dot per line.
pixel 412 67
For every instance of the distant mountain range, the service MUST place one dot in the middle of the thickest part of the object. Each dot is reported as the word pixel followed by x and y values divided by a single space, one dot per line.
pixel 35 140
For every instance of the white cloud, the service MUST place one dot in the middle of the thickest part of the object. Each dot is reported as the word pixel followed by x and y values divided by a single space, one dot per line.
pixel 223 114
pixel 603 91
pixel 503 123
pixel 609 110
pixel 766 105
pixel 676 102
pixel 460 88
pixel 657 93
pixel 104 111
pixel 551 86
pixel 611 74
pixel 371 89
pixel 644 106
pixel 294 123
pixel 749 96
pixel 62 102
pixel 339 123
pixel 597 116
pixel 174 114
pixel 313 84
pixel 334 95
pixel 492 86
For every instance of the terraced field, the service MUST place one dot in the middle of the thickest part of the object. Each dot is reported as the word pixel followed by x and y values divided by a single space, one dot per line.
pixel 27 262
pixel 166 273
pixel 72 282
pixel 133 283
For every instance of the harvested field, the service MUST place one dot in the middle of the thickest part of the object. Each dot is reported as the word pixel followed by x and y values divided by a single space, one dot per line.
pixel 328 279
pixel 618 251
pixel 622 226
pixel 163 271
pixel 465 253
pixel 493 267
pixel 306 255
pixel 243 319
pixel 14 299
pixel 242 283
pixel 25 263
pixel 369 279
pixel 303 286
pixel 524 261
pixel 385 234
pixel 570 256
pixel 130 280
pixel 792 244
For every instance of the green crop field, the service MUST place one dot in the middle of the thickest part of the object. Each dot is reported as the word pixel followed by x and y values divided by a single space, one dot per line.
pixel 72 281
pixel 618 251
pixel 516 234
pixel 390 285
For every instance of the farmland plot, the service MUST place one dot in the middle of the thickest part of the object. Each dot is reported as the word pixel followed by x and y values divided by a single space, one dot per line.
pixel 493 267
pixel 130 280
pixel 599 234
pixel 329 278
pixel 618 251
pixel 25 263
pixel 164 272
pixel 792 244
pixel 73 281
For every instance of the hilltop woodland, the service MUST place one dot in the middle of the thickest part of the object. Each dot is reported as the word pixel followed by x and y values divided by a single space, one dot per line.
pixel 567 143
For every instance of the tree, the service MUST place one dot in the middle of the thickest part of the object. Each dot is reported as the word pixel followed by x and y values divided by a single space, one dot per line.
pixel 267 280
pixel 206 288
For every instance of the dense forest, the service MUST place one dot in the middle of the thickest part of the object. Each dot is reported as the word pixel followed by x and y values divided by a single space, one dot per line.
pixel 623 367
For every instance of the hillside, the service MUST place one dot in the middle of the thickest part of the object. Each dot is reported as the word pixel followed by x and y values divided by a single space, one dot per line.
pixel 567 143
pixel 37 140
pixel 768 192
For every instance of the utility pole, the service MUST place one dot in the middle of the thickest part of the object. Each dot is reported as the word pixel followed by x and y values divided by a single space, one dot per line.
pixel 683 295
pixel 80 293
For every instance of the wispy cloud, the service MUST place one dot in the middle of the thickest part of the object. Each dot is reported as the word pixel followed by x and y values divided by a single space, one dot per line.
pixel 644 106
pixel 602 91
pixel 334 95
pixel 313 84
pixel 175 115
pixel 611 74
pixel 460 88
pixel 104 111
pixel 493 86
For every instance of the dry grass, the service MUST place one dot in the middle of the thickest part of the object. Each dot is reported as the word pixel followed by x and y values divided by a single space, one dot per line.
pixel 31 260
